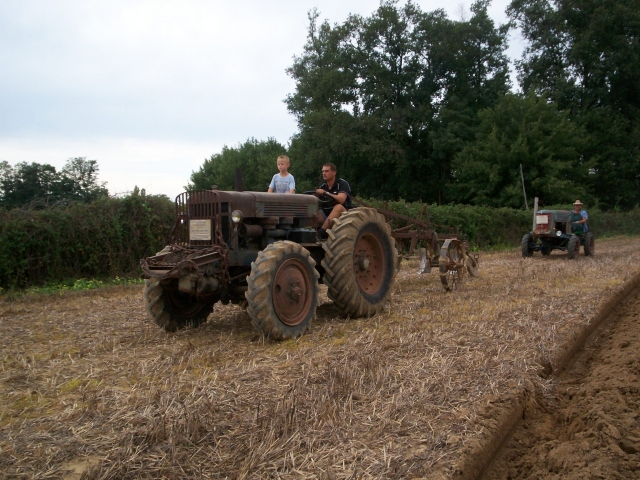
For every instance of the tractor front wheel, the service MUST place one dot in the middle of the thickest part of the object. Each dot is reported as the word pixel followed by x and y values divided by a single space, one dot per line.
pixel 282 292
pixel 573 247
pixel 172 309
pixel 527 251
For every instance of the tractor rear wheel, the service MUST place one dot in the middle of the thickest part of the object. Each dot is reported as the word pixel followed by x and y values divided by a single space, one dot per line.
pixel 589 244
pixel 573 247
pixel 527 251
pixel 360 262
pixel 172 309
pixel 282 291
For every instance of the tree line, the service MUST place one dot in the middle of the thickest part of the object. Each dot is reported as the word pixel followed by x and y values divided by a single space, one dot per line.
pixel 416 105
pixel 40 185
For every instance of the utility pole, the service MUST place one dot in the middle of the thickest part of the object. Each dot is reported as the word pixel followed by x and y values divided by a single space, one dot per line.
pixel 523 190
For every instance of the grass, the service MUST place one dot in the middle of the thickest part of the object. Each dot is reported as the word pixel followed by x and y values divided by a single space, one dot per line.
pixel 71 285
pixel 400 395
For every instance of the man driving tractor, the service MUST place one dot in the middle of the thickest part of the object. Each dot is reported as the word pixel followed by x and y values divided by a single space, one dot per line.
pixel 336 189
pixel 579 218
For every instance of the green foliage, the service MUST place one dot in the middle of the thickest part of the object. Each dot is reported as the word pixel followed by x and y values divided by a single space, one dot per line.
pixel 106 238
pixel 525 131
pixel 42 185
pixel 485 227
pixel 81 284
pixel 583 56
pixel 415 105
pixel 256 160
pixel 392 97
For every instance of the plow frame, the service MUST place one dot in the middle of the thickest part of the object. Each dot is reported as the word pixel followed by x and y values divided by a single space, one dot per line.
pixel 450 252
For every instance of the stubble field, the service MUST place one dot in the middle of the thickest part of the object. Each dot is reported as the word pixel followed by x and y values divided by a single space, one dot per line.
pixel 90 389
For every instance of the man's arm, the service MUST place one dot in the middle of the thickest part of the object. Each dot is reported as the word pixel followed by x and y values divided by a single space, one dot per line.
pixel 340 197
pixel 584 219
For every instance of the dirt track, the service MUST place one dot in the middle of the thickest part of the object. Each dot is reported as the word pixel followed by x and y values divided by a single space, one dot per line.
pixel 89 387
pixel 587 426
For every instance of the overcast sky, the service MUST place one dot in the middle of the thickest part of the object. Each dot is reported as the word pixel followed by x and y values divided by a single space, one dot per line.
pixel 150 89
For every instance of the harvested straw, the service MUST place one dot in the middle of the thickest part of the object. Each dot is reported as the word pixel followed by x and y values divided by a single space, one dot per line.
pixel 89 388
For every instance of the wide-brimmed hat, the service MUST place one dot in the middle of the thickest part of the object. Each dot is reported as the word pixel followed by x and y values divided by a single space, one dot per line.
pixel 577 202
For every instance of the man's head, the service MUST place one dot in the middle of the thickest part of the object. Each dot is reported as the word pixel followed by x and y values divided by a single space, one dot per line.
pixel 283 163
pixel 577 205
pixel 329 172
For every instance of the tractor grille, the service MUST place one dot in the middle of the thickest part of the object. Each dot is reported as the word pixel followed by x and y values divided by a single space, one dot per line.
pixel 283 210
pixel 197 218
pixel 542 223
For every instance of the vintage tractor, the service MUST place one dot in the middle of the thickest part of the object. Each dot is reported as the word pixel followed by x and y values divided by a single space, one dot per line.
pixel 553 231
pixel 261 250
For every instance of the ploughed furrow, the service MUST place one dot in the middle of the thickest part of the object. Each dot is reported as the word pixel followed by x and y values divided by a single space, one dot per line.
pixel 589 425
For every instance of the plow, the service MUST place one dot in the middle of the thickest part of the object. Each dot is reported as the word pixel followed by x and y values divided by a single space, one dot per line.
pixel 449 253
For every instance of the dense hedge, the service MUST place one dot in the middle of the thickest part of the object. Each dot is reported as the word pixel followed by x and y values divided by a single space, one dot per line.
pixel 102 239
pixel 110 236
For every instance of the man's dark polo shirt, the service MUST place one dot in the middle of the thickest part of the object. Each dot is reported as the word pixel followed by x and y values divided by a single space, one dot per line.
pixel 339 186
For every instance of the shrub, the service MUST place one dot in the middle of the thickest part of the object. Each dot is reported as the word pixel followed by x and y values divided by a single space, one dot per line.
pixel 105 238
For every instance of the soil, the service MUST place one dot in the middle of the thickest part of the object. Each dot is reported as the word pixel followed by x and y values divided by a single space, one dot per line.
pixel 587 426
pixel 90 388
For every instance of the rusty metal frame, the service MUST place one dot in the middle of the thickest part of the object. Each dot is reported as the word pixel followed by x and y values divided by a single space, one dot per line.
pixel 420 229
pixel 201 204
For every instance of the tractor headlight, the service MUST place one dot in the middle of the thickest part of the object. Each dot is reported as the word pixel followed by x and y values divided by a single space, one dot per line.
pixel 236 216
pixel 558 233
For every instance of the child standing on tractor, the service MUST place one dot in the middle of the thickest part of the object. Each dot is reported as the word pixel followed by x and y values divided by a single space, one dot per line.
pixel 282 182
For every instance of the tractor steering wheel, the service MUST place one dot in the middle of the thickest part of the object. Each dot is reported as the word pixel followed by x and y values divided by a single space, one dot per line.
pixel 324 201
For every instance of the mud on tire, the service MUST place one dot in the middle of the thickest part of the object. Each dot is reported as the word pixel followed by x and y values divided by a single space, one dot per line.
pixel 282 290
pixel 172 309
pixel 360 262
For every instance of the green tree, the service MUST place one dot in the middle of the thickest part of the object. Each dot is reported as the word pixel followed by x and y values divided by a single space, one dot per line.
pixel 79 178
pixel 525 131
pixel 374 95
pixel 256 159
pixel 585 56
pixel 34 182
pixel 27 182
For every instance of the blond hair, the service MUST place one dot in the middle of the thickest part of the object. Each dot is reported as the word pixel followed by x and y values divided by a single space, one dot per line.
pixel 284 157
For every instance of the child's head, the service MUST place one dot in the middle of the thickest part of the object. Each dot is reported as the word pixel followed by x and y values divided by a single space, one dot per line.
pixel 283 163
